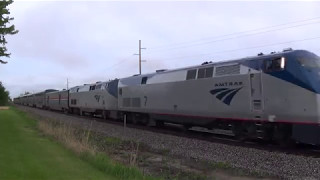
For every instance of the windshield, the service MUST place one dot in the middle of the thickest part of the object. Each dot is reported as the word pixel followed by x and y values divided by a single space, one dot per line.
pixel 309 60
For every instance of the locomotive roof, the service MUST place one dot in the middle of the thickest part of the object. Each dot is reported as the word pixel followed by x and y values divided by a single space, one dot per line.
pixel 88 84
pixel 51 92
pixel 226 62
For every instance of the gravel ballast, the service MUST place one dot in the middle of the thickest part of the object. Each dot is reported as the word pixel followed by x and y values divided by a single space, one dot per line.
pixel 286 166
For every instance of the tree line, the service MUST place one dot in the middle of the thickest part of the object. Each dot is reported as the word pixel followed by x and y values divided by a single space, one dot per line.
pixel 5 28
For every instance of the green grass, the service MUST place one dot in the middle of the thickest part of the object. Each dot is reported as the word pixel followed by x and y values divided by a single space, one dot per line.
pixel 221 165
pixel 26 154
pixel 104 164
pixel 113 141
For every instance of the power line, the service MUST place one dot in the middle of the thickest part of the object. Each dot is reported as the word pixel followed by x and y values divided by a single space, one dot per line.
pixel 118 63
pixel 267 45
pixel 267 27
pixel 253 47
pixel 127 59
pixel 240 36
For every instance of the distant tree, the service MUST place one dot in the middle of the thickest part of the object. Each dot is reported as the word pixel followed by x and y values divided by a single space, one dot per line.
pixel 4 95
pixel 5 28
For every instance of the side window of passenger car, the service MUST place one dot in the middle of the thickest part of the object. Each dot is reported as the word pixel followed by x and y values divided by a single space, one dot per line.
pixel 191 74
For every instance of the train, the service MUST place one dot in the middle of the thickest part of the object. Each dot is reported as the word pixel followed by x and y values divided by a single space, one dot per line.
pixel 274 97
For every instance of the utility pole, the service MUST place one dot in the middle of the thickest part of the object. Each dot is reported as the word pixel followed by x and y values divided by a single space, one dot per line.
pixel 67 84
pixel 140 56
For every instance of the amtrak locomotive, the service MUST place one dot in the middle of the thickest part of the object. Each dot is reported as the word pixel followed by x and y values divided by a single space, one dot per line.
pixel 271 97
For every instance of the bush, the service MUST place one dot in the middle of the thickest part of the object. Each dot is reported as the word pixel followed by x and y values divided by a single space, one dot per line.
pixel 4 95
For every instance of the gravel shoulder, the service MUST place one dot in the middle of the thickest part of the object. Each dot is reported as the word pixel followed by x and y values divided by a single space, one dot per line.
pixel 196 159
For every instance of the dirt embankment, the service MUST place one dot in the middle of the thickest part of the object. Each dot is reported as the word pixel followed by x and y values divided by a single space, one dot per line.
pixel 4 107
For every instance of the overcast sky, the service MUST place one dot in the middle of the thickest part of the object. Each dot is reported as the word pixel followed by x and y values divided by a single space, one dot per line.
pixel 95 41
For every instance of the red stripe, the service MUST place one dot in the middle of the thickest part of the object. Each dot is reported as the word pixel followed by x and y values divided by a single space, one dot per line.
pixel 58 99
pixel 239 119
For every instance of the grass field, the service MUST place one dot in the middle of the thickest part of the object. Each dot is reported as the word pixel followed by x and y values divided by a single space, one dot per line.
pixel 26 154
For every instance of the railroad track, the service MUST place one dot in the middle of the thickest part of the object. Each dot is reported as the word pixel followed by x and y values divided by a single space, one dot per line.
pixel 215 136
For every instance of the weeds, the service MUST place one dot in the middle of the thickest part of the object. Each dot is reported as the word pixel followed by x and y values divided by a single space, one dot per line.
pixel 93 146
pixel 68 136
pixel 82 142
pixel 134 153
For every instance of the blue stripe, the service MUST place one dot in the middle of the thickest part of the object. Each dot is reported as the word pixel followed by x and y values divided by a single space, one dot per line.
pixel 229 98
pixel 213 92
pixel 222 94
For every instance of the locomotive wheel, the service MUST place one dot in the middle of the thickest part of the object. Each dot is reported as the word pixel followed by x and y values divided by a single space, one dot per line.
pixel 140 119
pixel 186 127
pixel 130 117
pixel 268 131
pixel 282 135
pixel 145 119
pixel 65 111
pixel 135 119
pixel 239 131
pixel 81 113
pixel 104 114
pixel 159 123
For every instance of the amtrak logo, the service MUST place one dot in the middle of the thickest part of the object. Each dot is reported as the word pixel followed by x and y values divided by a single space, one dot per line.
pixel 225 94
pixel 223 84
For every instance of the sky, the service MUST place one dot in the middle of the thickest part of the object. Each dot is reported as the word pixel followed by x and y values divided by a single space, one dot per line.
pixel 90 41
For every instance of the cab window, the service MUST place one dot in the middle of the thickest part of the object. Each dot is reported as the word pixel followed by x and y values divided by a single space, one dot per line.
pixel 309 61
pixel 92 88
pixel 98 86
pixel 144 80
pixel 277 64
